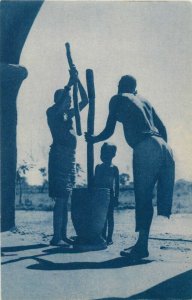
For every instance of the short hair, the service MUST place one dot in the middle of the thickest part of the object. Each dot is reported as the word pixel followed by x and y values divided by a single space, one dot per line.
pixel 59 93
pixel 110 148
pixel 127 84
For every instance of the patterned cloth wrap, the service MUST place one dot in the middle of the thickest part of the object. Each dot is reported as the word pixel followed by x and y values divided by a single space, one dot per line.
pixel 62 170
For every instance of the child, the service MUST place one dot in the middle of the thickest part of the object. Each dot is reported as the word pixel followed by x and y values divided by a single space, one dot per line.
pixel 107 176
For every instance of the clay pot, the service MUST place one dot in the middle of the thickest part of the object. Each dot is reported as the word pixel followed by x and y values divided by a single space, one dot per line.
pixel 88 212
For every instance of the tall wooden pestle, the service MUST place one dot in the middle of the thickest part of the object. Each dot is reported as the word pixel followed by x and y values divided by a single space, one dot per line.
pixel 90 126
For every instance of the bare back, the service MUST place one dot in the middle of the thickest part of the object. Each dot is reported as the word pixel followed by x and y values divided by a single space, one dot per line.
pixel 136 115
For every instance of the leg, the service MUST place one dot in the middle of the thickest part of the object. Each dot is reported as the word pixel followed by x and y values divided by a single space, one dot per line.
pixel 144 208
pixel 64 220
pixel 147 161
pixel 104 232
pixel 60 217
pixel 65 216
pixel 143 214
pixel 165 186
pixel 57 221
pixel 110 223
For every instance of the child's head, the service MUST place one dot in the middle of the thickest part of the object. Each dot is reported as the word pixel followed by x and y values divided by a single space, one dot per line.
pixel 108 151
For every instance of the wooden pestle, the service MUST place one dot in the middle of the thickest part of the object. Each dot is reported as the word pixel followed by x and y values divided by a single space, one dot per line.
pixel 90 126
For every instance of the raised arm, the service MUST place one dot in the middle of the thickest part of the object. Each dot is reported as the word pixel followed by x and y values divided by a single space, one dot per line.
pixel 109 127
pixel 159 125
pixel 83 94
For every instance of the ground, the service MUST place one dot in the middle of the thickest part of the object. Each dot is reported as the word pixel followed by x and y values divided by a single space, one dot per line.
pixel 31 269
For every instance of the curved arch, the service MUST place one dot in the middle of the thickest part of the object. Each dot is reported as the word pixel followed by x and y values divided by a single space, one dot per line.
pixel 17 18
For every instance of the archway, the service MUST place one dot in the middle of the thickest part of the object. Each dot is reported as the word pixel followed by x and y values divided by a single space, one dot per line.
pixel 16 20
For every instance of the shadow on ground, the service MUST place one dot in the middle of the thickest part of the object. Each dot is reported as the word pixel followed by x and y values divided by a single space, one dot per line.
pixel 118 262
pixel 178 287
pixel 5 251
pixel 47 265
pixel 22 248
pixel 169 239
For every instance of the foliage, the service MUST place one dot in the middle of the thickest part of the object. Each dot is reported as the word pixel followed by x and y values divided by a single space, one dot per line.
pixel 124 179
pixel 43 172
pixel 80 176
pixel 21 177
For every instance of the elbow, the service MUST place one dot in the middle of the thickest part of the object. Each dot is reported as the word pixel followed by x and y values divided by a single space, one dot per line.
pixel 84 97
pixel 85 100
pixel 83 104
pixel 111 133
pixel 163 133
pixel 108 133
pixel 165 138
pixel 103 136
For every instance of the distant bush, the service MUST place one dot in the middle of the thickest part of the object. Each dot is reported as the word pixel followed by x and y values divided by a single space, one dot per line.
pixel 182 199
pixel 35 201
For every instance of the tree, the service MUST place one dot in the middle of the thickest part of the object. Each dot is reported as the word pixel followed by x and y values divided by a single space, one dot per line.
pixel 124 179
pixel 43 172
pixel 78 169
pixel 20 177
pixel 80 176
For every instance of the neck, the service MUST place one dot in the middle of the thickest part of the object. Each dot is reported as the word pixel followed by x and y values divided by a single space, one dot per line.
pixel 107 163
pixel 127 92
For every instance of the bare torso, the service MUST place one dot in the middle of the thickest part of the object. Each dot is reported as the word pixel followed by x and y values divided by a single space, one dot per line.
pixel 136 116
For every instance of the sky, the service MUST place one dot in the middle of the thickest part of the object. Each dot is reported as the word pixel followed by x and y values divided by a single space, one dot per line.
pixel 150 40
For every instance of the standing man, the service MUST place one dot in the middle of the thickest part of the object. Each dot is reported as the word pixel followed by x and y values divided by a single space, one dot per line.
pixel 62 156
pixel 152 158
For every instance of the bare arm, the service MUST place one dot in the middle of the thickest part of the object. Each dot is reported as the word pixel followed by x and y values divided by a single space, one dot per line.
pixel 109 127
pixel 108 130
pixel 83 94
pixel 84 99
pixel 159 125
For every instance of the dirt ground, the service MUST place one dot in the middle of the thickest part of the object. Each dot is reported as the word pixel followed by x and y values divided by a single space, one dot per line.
pixel 31 269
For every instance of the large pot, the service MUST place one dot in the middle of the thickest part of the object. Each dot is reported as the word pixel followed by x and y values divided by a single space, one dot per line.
pixel 88 212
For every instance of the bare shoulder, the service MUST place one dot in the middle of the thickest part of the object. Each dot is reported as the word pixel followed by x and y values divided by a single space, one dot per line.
pixel 114 100
pixel 144 101
pixel 49 111
pixel 98 167
pixel 115 168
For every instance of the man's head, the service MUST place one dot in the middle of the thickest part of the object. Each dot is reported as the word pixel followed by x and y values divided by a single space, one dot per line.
pixel 108 151
pixel 62 95
pixel 127 84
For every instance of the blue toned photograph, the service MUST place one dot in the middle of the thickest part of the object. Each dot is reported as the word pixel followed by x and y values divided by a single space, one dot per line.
pixel 96 164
